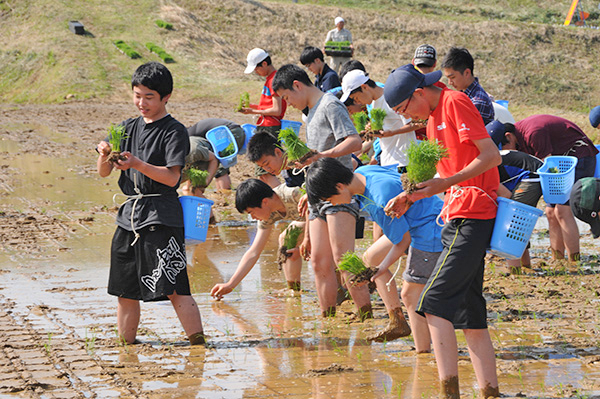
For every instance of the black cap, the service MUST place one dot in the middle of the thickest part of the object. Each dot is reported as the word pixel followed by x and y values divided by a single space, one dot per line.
pixel 425 54
pixel 585 202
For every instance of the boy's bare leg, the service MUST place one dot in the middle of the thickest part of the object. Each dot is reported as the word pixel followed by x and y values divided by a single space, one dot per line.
pixel 411 292
pixel 128 319
pixel 322 262
pixel 397 326
pixel 483 358
pixel 189 315
pixel 339 226
pixel 569 229
pixel 445 349
pixel 556 237
pixel 292 269
pixel 223 182
pixel 269 179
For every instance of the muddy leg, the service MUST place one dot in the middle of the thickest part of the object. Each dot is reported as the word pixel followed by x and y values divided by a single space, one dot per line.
pixel 490 392
pixel 189 315
pixel 397 327
pixel 128 318
pixel 449 388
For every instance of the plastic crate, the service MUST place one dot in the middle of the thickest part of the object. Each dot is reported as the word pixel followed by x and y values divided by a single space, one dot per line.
pixel 597 173
pixel 196 215
pixel 249 132
pixel 556 187
pixel 295 126
pixel 513 227
pixel 220 138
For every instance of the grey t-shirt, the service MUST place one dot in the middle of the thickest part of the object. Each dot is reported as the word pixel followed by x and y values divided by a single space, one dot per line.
pixel 328 124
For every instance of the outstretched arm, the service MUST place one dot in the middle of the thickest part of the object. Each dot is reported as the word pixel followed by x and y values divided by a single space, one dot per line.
pixel 246 264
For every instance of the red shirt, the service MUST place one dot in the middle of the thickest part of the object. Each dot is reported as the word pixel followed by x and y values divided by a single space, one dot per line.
pixel 266 102
pixel 456 123
pixel 422 133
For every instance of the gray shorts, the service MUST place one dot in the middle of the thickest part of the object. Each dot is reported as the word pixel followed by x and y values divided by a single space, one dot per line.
pixel 419 265
pixel 527 192
pixel 324 208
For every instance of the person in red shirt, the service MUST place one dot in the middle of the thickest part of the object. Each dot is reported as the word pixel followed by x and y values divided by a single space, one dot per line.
pixel 453 297
pixel 270 108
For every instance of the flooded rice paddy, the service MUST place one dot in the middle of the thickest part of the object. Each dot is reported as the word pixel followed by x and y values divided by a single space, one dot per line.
pixel 57 324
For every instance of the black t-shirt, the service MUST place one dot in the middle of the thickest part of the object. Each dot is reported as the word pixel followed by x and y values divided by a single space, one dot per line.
pixel 161 143
pixel 201 128
pixel 517 163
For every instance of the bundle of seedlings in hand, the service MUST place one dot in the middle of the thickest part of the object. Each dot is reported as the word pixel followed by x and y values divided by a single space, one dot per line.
pixel 353 264
pixel 116 133
pixel 290 241
pixel 197 177
pixel 553 169
pixel 295 149
pixel 227 151
pixel 360 120
pixel 422 161
pixel 377 117
pixel 244 101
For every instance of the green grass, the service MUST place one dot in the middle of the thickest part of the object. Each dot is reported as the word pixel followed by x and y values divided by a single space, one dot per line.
pixel 522 52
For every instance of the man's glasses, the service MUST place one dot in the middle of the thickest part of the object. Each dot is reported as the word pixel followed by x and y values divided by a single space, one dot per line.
pixel 405 107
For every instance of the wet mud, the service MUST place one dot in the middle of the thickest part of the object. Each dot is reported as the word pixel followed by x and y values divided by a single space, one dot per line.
pixel 57 324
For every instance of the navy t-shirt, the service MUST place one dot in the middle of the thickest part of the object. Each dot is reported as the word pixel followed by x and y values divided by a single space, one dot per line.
pixel 161 143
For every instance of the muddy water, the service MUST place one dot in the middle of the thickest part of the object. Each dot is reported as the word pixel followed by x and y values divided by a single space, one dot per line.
pixel 57 324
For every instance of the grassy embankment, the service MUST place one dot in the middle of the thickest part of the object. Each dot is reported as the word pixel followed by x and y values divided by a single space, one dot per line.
pixel 523 53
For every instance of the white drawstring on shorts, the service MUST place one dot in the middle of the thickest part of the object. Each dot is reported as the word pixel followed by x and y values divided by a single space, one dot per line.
pixel 138 195
pixel 455 192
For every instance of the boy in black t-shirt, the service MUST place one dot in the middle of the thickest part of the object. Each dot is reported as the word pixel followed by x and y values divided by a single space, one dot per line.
pixel 148 259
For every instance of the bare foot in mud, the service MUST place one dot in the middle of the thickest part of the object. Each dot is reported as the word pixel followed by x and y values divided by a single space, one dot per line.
pixel 396 328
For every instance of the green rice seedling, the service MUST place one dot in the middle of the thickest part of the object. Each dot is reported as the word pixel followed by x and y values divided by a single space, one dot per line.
pixel 295 149
pixel 244 101
pixel 377 117
pixel 197 177
pixel 351 262
pixel 116 135
pixel 162 24
pixel 422 161
pixel 360 120
pixel 125 49
pixel 227 151
pixel 553 169
pixel 290 241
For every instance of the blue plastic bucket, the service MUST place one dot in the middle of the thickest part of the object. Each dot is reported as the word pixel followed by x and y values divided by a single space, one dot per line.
pixel 504 103
pixel 220 137
pixel 513 227
pixel 248 132
pixel 292 124
pixel 196 215
pixel 597 173
pixel 556 187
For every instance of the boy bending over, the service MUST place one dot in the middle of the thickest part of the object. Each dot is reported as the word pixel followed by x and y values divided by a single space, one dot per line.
pixel 374 186
pixel 267 205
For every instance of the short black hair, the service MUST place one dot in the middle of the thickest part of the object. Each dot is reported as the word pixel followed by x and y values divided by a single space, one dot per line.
pixel 268 60
pixel 351 65
pixel 286 75
pixel 349 101
pixel 322 177
pixel 459 59
pixel 310 54
pixel 154 76
pixel 261 144
pixel 250 193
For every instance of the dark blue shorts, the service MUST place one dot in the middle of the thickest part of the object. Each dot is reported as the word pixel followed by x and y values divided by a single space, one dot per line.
pixel 454 289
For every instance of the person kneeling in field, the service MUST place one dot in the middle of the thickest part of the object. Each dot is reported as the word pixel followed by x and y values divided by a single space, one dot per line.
pixel 268 206
pixel 373 186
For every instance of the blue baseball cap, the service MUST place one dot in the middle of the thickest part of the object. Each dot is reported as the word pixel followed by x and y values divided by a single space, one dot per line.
pixel 496 130
pixel 403 81
pixel 595 116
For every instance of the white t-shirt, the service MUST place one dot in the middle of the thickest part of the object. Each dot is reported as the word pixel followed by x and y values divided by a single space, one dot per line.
pixel 393 149
pixel 502 114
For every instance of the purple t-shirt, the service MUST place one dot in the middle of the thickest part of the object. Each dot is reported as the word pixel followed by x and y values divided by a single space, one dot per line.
pixel 544 135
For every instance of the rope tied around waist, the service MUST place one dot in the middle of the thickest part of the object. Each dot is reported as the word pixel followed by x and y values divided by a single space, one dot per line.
pixel 455 192
pixel 136 197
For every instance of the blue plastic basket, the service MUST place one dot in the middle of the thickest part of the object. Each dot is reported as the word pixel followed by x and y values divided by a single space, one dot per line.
pixel 504 103
pixel 597 173
pixel 513 227
pixel 196 215
pixel 556 187
pixel 220 137
pixel 293 124
pixel 249 132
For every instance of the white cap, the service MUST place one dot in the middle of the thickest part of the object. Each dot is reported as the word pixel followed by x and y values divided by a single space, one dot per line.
pixel 338 20
pixel 352 80
pixel 255 56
